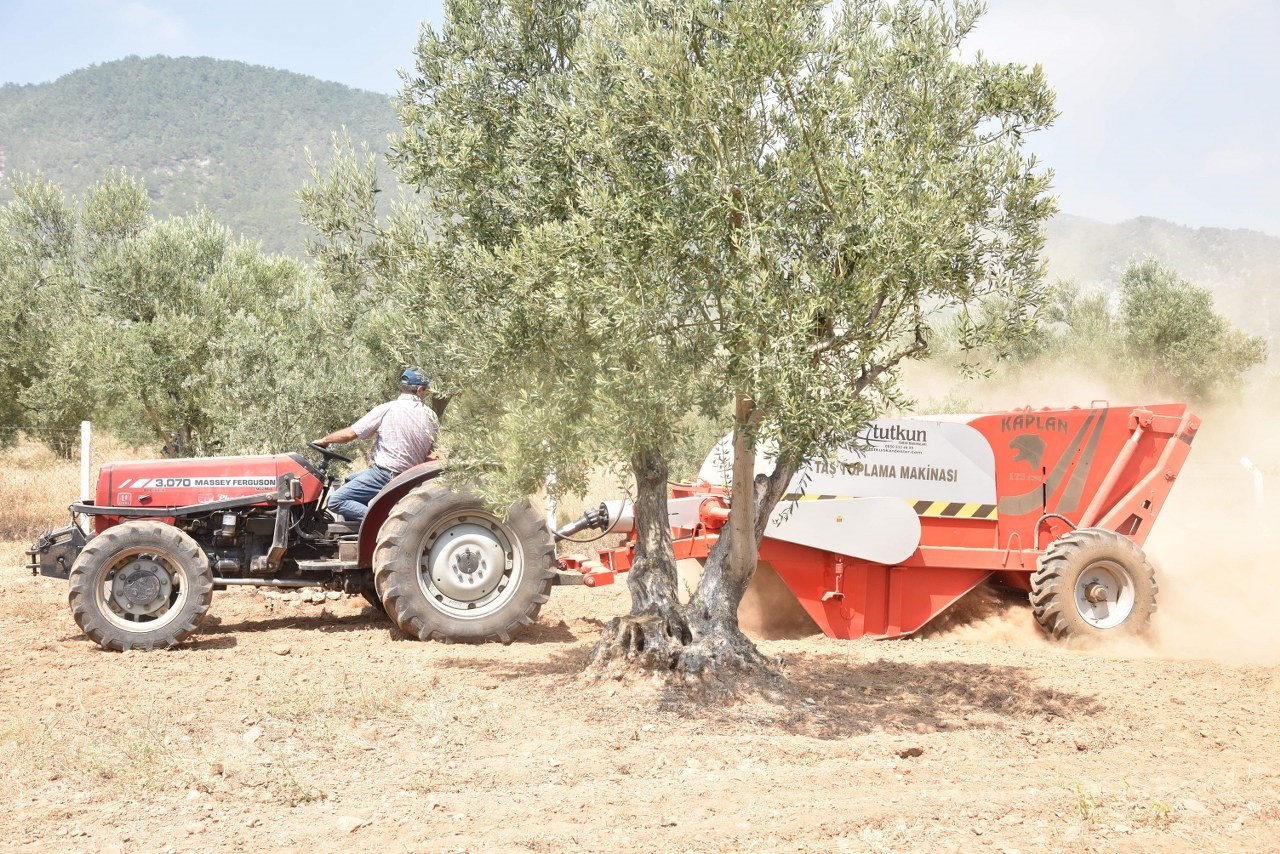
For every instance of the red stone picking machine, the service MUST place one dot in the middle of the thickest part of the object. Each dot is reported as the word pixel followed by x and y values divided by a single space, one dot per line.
pixel 1054 502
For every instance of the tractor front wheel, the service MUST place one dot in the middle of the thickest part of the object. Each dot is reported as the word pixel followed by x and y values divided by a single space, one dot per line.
pixel 140 585
pixel 447 567
pixel 1093 583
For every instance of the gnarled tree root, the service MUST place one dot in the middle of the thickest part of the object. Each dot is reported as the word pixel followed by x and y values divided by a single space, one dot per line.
pixel 637 643
pixel 720 661
pixel 725 662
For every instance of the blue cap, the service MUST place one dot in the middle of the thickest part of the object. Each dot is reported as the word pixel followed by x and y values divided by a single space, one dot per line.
pixel 414 378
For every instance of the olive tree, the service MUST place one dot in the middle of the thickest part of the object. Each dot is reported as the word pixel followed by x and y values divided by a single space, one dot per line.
pixel 1174 337
pixel 50 248
pixel 636 209
pixel 170 331
pixel 1155 334
pixel 832 180
pixel 212 346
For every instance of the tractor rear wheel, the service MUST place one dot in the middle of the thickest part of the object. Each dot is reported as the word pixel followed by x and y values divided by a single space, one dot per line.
pixel 447 567
pixel 1093 583
pixel 140 585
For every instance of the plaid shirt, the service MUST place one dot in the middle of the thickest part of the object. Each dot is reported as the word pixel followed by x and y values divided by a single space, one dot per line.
pixel 406 429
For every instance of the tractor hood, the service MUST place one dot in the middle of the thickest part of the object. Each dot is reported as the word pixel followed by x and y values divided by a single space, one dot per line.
pixel 187 482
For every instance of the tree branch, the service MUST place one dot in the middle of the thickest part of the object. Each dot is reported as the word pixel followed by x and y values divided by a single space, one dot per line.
pixel 808 144
pixel 871 373
pixel 155 420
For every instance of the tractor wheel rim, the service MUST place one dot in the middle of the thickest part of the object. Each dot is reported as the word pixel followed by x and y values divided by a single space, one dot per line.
pixel 468 565
pixel 1105 594
pixel 141 590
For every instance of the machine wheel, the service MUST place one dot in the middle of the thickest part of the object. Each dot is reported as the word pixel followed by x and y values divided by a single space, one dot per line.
pixel 140 585
pixel 447 568
pixel 1093 583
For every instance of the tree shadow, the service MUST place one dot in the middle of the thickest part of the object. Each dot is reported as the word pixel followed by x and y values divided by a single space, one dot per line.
pixel 537 634
pixel 564 656
pixel 200 640
pixel 826 697
pixel 830 698
pixel 564 662
pixel 218 633
pixel 207 640
pixel 545 633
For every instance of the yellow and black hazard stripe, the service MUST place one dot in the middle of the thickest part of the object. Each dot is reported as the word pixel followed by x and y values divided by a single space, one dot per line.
pixel 954 509
pixel 951 509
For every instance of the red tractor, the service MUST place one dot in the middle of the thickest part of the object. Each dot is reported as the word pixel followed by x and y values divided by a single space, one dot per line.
pixel 167 533
pixel 1055 503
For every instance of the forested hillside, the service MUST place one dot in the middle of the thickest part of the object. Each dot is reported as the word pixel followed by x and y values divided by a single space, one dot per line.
pixel 1240 267
pixel 232 137
pixel 224 135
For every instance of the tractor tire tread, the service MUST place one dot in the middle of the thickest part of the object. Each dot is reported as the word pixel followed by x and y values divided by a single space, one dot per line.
pixel 83 577
pixel 403 597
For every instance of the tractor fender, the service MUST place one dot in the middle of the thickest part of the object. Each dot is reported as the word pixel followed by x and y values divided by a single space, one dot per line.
pixel 383 503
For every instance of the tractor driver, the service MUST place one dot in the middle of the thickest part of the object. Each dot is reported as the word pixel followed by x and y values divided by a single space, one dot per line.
pixel 406 429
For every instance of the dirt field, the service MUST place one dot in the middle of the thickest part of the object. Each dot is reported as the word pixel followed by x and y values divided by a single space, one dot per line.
pixel 300 726
pixel 315 726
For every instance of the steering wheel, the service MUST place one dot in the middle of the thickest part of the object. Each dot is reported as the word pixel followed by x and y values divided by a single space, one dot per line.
pixel 328 454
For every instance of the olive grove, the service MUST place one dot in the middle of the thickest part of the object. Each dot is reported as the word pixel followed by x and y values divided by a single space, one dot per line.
pixel 169 332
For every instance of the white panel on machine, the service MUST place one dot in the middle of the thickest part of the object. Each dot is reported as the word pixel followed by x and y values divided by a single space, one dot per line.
pixel 884 530
pixel 914 459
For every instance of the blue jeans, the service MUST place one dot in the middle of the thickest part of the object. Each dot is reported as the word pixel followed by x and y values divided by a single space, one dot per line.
pixel 351 500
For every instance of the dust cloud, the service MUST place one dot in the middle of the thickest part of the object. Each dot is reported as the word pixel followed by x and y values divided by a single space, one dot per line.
pixel 1213 546
pixel 770 611
pixel 989 614
pixel 1214 549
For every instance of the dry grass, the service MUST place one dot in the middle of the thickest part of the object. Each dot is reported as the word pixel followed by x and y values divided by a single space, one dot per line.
pixel 142 749
pixel 37 486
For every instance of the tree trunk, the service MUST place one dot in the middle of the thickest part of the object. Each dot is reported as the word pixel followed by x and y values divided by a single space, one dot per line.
pixel 720 653
pixel 652 636
pixel 700 643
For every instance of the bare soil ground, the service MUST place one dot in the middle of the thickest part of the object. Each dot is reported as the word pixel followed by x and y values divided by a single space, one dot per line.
pixel 293 725
pixel 305 726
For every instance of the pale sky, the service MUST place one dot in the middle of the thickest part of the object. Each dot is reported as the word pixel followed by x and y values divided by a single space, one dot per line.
pixel 1167 105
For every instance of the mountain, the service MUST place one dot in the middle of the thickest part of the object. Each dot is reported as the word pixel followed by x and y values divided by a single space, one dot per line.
pixel 232 137
pixel 224 135
pixel 1240 267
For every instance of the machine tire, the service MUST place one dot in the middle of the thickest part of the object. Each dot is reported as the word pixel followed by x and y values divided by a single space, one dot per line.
pixel 140 585
pixel 1093 583
pixel 437 567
